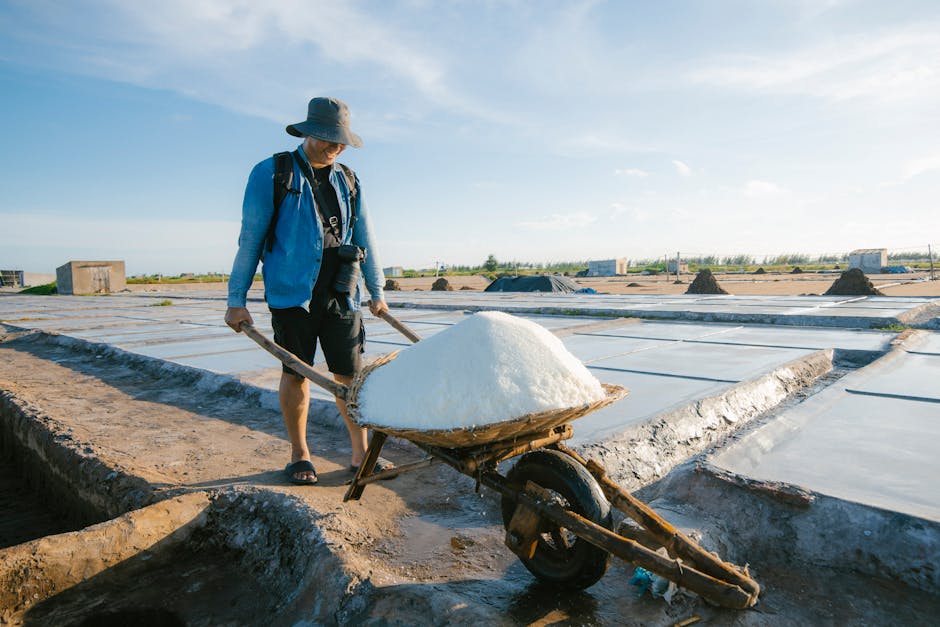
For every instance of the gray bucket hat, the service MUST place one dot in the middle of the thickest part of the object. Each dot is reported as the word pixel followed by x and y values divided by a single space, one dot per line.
pixel 327 119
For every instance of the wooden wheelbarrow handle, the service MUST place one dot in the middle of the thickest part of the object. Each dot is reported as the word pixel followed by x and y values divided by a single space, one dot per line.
pixel 293 362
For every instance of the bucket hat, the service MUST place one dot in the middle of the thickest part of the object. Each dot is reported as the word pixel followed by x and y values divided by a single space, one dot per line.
pixel 327 119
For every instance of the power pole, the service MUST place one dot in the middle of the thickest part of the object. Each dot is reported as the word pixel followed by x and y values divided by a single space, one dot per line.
pixel 930 255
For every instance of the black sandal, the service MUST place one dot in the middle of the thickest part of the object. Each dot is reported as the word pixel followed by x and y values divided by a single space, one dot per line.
pixel 303 465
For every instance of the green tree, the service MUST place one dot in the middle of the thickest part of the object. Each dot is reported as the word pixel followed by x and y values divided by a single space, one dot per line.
pixel 490 264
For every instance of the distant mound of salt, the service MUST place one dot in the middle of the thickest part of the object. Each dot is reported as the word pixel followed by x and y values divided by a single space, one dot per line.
pixel 490 367
pixel 442 285
pixel 853 282
pixel 705 283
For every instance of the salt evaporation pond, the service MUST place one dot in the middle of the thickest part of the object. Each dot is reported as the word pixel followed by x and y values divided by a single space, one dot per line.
pixel 489 368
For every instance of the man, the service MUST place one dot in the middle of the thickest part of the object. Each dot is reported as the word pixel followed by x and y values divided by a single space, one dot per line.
pixel 300 242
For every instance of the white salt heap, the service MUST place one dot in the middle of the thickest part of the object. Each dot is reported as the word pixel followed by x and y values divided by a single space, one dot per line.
pixel 489 368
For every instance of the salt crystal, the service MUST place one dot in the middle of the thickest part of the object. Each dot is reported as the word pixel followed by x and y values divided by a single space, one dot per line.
pixel 490 367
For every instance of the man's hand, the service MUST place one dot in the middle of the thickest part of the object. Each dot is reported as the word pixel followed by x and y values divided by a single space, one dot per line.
pixel 234 316
pixel 377 307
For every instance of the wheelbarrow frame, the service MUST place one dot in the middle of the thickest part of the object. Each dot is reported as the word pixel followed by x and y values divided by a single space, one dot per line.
pixel 688 565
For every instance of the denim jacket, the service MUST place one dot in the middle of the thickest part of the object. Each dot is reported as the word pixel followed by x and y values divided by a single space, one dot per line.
pixel 290 268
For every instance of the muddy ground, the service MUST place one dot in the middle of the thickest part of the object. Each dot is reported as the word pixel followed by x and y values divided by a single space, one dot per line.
pixel 425 548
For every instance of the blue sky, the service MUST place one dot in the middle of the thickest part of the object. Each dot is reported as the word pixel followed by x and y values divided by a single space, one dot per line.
pixel 532 130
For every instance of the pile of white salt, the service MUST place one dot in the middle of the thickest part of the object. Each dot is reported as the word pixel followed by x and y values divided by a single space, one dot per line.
pixel 490 367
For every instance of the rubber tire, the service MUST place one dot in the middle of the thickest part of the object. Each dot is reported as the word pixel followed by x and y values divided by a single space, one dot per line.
pixel 582 564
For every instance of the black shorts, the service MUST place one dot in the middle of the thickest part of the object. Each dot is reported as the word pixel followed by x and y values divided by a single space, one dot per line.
pixel 339 330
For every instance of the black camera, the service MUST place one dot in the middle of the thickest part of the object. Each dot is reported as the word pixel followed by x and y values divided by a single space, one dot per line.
pixel 347 275
pixel 351 252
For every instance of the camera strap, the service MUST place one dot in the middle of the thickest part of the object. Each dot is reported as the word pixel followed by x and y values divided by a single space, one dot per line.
pixel 328 220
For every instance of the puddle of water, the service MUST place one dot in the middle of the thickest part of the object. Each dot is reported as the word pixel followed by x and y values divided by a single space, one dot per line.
pixel 425 537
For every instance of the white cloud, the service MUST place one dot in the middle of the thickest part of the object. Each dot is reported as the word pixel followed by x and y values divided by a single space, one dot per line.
pixel 762 189
pixel 605 142
pixel 898 65
pixel 560 222
pixel 812 9
pixel 631 172
pixel 913 169
pixel 636 214
pixel 254 58
pixel 682 168
pixel 919 166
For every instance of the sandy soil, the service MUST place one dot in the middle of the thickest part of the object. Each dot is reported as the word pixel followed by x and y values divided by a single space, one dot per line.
pixel 739 284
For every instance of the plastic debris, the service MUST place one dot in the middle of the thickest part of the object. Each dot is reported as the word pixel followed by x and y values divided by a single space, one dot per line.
pixel 642 579
pixel 658 586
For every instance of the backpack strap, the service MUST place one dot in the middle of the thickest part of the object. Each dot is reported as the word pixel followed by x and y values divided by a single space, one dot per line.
pixel 283 179
pixel 352 184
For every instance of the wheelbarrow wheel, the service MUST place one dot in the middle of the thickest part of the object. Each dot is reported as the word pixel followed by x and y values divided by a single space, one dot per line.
pixel 560 556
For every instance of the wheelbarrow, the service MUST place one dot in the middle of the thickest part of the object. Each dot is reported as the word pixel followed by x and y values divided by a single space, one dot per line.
pixel 555 506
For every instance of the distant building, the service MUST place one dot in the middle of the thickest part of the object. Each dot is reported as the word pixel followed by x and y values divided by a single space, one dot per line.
pixel 869 260
pixel 607 267
pixel 393 271
pixel 90 277
pixel 671 267
pixel 18 278
pixel 11 278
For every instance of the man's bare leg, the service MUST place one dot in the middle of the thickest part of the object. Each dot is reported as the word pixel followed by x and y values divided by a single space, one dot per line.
pixel 294 396
pixel 358 436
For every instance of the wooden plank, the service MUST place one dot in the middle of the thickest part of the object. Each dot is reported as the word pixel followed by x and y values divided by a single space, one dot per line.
pixel 398 470
pixel 676 542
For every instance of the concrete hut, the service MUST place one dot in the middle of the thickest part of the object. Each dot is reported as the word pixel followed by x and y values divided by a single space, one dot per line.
pixel 869 260
pixel 90 277
pixel 607 267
